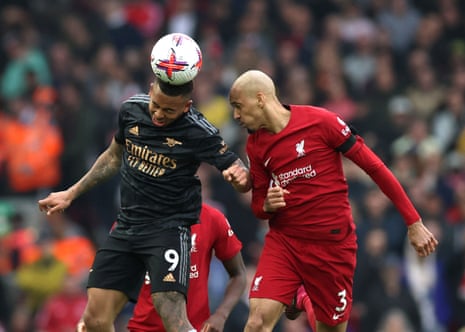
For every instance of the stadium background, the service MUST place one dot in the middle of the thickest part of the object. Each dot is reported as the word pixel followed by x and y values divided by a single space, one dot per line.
pixel 394 69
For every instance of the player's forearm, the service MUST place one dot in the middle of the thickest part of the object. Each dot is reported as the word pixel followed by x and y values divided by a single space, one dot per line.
pixel 233 293
pixel 366 159
pixel 80 327
pixel 106 166
pixel 391 187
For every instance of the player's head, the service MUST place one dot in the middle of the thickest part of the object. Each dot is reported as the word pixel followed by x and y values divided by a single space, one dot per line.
pixel 169 102
pixel 249 96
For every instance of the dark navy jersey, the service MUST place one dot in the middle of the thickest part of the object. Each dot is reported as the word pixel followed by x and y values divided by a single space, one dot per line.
pixel 159 186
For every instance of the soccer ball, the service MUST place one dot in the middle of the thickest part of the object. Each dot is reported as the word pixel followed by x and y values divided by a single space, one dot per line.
pixel 176 58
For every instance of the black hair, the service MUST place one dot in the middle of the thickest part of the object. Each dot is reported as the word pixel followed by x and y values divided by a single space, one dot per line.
pixel 175 90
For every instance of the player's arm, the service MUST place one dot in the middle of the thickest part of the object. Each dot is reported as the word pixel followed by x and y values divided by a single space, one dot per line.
pixel 238 175
pixel 267 196
pixel 420 237
pixel 233 292
pixel 106 166
pixel 81 327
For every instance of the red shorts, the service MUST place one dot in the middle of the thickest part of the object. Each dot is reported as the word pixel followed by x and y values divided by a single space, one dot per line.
pixel 326 270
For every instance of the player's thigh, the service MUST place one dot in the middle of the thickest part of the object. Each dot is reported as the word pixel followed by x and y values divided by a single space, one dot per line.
pixel 328 278
pixel 117 270
pixel 168 265
pixel 104 304
pixel 277 276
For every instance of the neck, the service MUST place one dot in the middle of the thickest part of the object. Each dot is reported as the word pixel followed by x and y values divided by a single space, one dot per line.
pixel 277 119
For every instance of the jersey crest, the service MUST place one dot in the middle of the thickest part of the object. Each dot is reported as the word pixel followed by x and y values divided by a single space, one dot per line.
pixel 300 148
pixel 171 142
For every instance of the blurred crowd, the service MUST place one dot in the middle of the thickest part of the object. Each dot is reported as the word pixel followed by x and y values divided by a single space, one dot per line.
pixel 393 69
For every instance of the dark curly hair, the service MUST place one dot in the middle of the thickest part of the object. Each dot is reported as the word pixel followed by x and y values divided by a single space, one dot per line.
pixel 175 90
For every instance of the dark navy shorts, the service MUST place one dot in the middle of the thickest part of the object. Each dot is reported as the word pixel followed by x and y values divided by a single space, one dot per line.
pixel 121 264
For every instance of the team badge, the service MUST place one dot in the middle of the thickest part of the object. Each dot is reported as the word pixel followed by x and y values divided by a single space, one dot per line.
pixel 171 142
pixel 300 148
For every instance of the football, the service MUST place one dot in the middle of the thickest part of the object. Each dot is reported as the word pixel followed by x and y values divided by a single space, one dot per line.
pixel 176 58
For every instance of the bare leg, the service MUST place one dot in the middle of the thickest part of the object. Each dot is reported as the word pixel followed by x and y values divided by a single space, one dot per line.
pixel 171 306
pixel 322 327
pixel 103 306
pixel 263 315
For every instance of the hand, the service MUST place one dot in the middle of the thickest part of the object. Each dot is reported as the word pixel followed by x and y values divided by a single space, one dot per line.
pixel 422 240
pixel 238 175
pixel 274 199
pixel 55 202
pixel 81 327
pixel 213 324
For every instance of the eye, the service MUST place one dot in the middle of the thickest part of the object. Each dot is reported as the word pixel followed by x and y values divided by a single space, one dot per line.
pixel 169 111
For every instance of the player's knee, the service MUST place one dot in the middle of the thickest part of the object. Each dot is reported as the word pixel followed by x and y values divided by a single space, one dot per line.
pixel 254 323
pixel 95 322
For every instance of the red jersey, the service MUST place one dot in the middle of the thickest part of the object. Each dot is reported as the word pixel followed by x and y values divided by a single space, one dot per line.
pixel 212 235
pixel 303 159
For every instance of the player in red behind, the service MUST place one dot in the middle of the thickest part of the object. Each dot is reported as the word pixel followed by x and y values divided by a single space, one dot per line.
pixel 212 236
pixel 298 185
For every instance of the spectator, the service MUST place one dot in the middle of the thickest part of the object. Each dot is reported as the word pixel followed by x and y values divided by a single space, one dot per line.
pixel 401 21
pixel 427 282
pixel 395 295
pixel 446 123
pixel 39 280
pixel 34 144
pixel 62 311
pixel 23 58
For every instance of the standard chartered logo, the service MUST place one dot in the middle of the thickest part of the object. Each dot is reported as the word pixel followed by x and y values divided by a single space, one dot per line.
pixel 300 172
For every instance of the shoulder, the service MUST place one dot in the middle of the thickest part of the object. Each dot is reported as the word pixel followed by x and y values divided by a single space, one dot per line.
pixel 211 214
pixel 214 221
pixel 198 120
pixel 316 117
pixel 141 98
pixel 135 102
pixel 134 109
pixel 310 110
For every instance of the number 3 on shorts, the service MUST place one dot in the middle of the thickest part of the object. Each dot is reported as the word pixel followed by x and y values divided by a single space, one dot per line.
pixel 172 257
pixel 342 299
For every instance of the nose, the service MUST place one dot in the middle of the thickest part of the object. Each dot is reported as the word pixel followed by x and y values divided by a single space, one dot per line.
pixel 157 113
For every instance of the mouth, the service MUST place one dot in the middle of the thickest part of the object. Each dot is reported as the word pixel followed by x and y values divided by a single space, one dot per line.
pixel 157 122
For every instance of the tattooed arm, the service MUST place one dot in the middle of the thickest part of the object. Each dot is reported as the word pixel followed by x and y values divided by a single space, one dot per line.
pixel 106 166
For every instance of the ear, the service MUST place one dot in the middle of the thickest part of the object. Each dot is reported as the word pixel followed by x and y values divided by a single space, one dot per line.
pixel 260 100
pixel 188 106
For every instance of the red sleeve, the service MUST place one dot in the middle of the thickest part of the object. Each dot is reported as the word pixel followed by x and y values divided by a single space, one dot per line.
pixel 260 183
pixel 258 199
pixel 367 160
pixel 226 245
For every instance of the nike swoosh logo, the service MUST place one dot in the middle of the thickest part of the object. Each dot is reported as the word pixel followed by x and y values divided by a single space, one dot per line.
pixel 336 317
pixel 267 162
